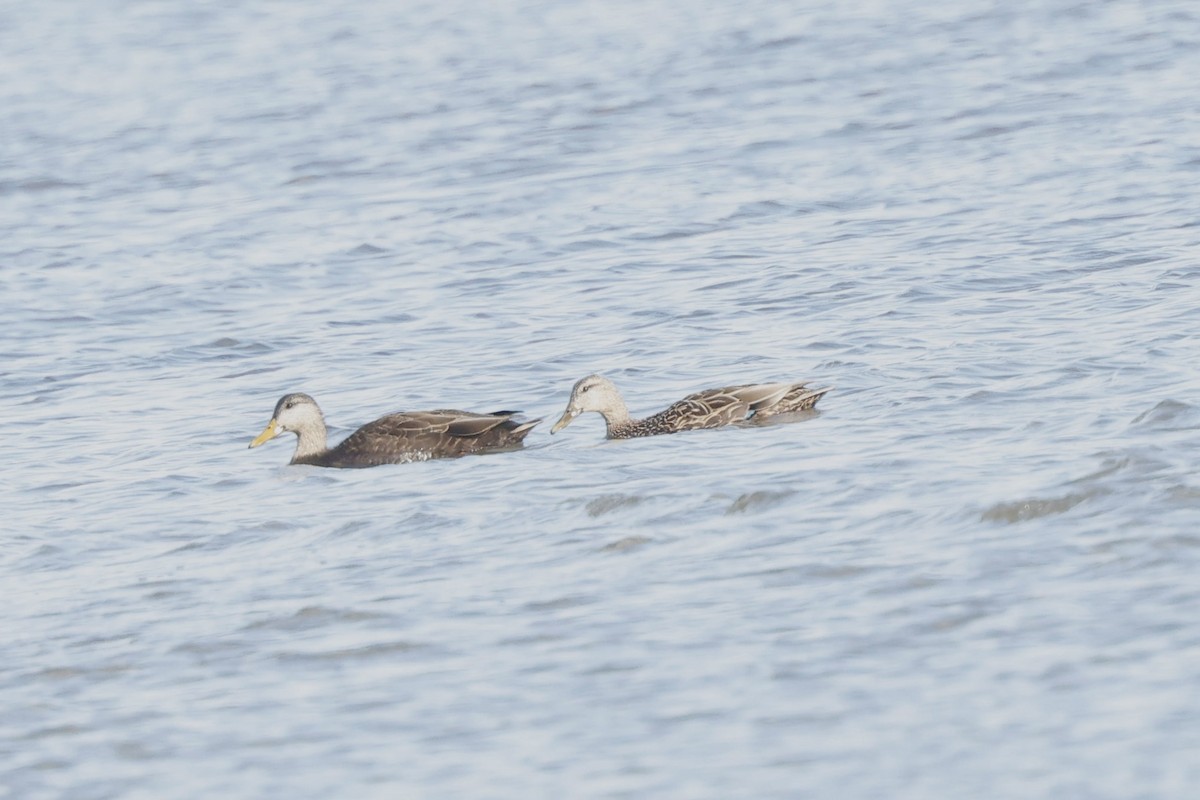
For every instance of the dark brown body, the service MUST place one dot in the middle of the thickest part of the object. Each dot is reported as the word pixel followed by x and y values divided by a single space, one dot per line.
pixel 422 435
pixel 394 439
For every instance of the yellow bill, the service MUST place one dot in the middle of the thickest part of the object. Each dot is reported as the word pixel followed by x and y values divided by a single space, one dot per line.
pixel 269 433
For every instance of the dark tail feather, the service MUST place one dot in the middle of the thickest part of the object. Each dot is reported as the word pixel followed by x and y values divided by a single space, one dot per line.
pixel 521 431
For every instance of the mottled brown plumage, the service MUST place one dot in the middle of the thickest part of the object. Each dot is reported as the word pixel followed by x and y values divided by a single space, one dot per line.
pixel 711 408
pixel 394 439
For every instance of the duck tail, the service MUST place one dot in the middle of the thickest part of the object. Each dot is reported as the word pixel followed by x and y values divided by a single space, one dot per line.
pixel 521 431
pixel 802 401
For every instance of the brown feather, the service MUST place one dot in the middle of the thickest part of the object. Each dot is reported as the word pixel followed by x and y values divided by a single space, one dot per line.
pixel 711 408
pixel 396 438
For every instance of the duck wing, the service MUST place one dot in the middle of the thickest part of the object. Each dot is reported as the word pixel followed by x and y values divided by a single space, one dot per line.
pixel 713 408
pixel 420 435
pixel 798 397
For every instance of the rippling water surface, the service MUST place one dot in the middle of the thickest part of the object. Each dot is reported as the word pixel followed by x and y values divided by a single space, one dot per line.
pixel 973 574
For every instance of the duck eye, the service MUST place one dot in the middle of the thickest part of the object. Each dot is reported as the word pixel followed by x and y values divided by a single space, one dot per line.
pixel 290 404
pixel 584 388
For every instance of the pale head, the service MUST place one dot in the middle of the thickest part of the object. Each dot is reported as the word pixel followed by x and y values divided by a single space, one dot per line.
pixel 294 413
pixel 593 393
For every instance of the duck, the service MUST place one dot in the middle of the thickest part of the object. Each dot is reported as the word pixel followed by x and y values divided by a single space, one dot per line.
pixel 392 439
pixel 711 408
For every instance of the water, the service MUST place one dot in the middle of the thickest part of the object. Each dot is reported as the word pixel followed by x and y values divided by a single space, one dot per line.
pixel 973 574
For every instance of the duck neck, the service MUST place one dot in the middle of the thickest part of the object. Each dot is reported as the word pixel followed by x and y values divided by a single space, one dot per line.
pixel 616 416
pixel 311 441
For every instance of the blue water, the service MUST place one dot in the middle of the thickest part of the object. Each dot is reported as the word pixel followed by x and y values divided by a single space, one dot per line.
pixel 973 574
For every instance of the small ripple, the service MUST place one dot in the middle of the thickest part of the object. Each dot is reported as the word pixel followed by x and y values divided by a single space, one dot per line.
pixel 678 233
pixel 1168 415
pixel 354 653
pixel 589 244
pixel 311 617
pixel 366 249
pixel 569 601
pixel 91 673
pixel 54 732
pixel 255 371
pixel 754 501
pixel 808 573
pixel 609 668
pixel 210 647
pixel 958 618
pixel 626 544
pixel 1034 507
pixel 606 504
pixel 34 185
pixel 424 521
pixel 47 556
pixel 534 639
pixel 1184 495
pixel 1181 541
pixel 353 526
pixel 58 487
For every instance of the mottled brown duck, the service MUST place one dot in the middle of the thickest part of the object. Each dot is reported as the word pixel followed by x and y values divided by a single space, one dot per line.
pixel 394 439
pixel 711 408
